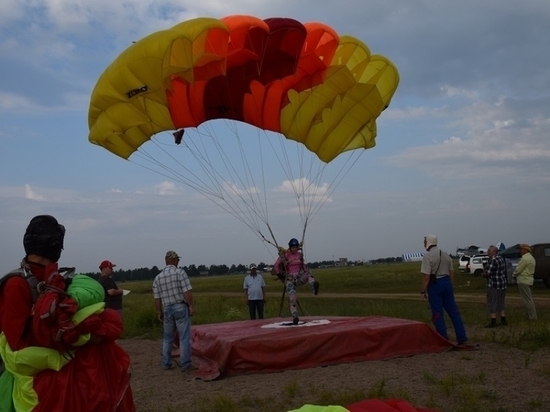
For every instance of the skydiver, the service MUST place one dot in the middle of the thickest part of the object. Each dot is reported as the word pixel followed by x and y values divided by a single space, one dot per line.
pixel 291 264
pixel 96 358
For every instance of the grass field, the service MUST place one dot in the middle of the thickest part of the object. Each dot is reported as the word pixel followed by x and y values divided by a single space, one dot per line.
pixel 383 290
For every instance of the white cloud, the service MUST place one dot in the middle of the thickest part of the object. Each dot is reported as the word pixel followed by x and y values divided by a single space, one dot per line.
pixel 465 138
pixel 166 188
pixel 303 187
pixel 456 91
pixel 231 189
pixel 11 10
pixel 416 113
pixel 496 142
pixel 11 101
pixel 30 194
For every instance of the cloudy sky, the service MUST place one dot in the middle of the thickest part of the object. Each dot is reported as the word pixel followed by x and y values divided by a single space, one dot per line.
pixel 462 152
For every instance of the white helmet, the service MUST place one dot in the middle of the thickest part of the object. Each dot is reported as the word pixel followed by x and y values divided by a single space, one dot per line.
pixel 252 266
pixel 431 240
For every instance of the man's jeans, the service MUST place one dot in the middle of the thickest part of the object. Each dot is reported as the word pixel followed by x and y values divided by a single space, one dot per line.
pixel 256 305
pixel 176 317
pixel 441 297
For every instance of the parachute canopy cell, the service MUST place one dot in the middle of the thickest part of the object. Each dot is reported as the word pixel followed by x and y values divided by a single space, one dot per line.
pixel 301 80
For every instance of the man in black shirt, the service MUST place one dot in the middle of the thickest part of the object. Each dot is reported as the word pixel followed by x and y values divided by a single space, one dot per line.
pixel 113 295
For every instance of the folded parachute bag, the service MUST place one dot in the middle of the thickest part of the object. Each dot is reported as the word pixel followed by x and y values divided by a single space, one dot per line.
pixel 86 291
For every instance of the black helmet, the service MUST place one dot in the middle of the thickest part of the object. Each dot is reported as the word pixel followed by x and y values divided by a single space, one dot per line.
pixel 293 242
pixel 44 237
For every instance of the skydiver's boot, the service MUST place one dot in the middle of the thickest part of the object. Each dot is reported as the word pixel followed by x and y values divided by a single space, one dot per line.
pixel 315 288
pixel 295 318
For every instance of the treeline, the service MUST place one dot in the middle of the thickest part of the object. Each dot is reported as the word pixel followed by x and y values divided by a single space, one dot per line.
pixel 213 270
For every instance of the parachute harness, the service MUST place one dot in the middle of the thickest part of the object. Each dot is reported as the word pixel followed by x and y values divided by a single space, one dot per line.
pixel 53 307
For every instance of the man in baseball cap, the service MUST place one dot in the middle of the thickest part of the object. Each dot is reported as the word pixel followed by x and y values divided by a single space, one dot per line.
pixel 106 264
pixel 254 292
pixel 172 255
pixel 174 304
pixel 113 295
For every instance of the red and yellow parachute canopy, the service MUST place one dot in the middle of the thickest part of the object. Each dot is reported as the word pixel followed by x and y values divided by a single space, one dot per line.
pixel 301 80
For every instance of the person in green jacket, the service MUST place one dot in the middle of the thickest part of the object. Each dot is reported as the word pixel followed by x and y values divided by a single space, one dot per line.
pixel 524 275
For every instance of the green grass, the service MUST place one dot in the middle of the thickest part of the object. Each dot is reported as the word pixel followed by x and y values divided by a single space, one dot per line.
pixel 220 299
pixel 393 291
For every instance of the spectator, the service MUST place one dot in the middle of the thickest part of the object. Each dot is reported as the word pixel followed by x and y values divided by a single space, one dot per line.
pixel 495 273
pixel 291 268
pixel 254 292
pixel 525 276
pixel 113 295
pixel 174 304
pixel 437 287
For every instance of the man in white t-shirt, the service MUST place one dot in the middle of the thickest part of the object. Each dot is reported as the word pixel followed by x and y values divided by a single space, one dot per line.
pixel 437 288
pixel 254 292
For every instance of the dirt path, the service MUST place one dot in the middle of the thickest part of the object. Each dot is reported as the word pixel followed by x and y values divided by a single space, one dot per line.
pixel 459 297
pixel 495 378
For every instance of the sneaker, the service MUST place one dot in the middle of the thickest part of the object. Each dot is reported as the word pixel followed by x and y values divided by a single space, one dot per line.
pixel 190 368
pixel 315 288
pixel 167 368
pixel 491 325
pixel 295 320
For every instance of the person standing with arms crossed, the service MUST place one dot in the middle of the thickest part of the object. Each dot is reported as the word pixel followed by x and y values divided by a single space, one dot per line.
pixel 437 288
pixel 174 304
pixel 254 292
pixel 525 276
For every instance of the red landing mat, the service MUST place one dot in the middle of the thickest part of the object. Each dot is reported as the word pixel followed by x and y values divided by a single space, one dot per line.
pixel 269 345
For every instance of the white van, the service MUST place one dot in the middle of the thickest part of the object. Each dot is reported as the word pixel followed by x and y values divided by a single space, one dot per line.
pixel 476 264
pixel 462 262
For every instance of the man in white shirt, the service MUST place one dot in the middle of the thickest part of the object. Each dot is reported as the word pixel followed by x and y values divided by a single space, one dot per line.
pixel 254 292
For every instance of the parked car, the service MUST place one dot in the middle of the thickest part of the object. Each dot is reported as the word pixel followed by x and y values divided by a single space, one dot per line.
pixel 476 264
pixel 541 253
pixel 462 262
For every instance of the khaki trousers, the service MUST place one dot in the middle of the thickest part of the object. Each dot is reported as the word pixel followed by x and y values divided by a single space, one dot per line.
pixel 525 293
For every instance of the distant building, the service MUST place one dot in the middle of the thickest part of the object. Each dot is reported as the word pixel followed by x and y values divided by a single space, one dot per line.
pixel 412 257
pixel 341 262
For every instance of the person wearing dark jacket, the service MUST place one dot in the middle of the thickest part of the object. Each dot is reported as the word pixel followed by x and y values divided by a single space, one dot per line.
pixel 113 295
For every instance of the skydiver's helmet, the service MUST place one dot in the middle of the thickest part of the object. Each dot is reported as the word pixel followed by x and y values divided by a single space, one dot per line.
pixel 252 266
pixel 44 237
pixel 293 242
